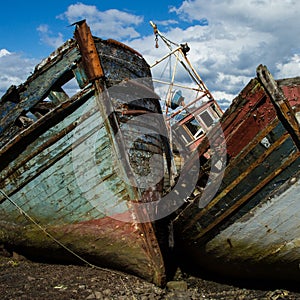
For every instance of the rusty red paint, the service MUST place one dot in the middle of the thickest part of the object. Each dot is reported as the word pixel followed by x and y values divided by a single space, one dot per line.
pixel 292 92
pixel 242 125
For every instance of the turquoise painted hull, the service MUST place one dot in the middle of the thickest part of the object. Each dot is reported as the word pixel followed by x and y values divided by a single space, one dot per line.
pixel 69 167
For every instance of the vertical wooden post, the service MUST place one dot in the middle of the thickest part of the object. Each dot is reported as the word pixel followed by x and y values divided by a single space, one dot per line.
pixel 284 110
pixel 88 50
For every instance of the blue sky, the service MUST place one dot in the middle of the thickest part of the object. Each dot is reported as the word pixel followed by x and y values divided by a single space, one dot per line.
pixel 20 20
pixel 228 38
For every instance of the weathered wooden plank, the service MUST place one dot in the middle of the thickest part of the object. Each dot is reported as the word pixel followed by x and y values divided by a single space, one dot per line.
pixel 280 102
pixel 258 177
pixel 266 240
pixel 43 158
pixel 38 89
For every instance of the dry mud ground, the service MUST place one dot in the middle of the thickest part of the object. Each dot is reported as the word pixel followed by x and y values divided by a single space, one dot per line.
pixel 22 279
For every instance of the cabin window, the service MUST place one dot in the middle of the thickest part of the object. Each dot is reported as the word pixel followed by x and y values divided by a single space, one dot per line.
pixel 193 126
pixel 207 119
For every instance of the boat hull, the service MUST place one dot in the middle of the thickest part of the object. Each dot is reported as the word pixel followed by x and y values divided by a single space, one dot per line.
pixel 70 180
pixel 250 228
pixel 105 243
pixel 263 244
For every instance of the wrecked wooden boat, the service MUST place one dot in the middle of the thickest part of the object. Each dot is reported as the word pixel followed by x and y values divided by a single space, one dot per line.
pixel 75 169
pixel 244 221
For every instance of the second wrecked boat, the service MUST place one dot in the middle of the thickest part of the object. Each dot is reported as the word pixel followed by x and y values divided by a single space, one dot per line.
pixel 239 175
pixel 244 222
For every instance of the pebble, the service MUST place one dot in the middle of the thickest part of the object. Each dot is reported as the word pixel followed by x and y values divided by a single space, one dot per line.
pixel 177 286
pixel 107 292
pixel 98 295
pixel 30 278
pixel 82 286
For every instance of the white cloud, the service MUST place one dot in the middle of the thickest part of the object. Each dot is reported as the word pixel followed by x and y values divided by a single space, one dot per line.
pixel 259 28
pixel 106 24
pixel 239 36
pixel 47 37
pixel 16 69
pixel 252 12
pixel 4 52
pixel 289 69
pixel 166 22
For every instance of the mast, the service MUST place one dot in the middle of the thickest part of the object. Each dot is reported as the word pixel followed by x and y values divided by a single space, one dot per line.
pixel 203 95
